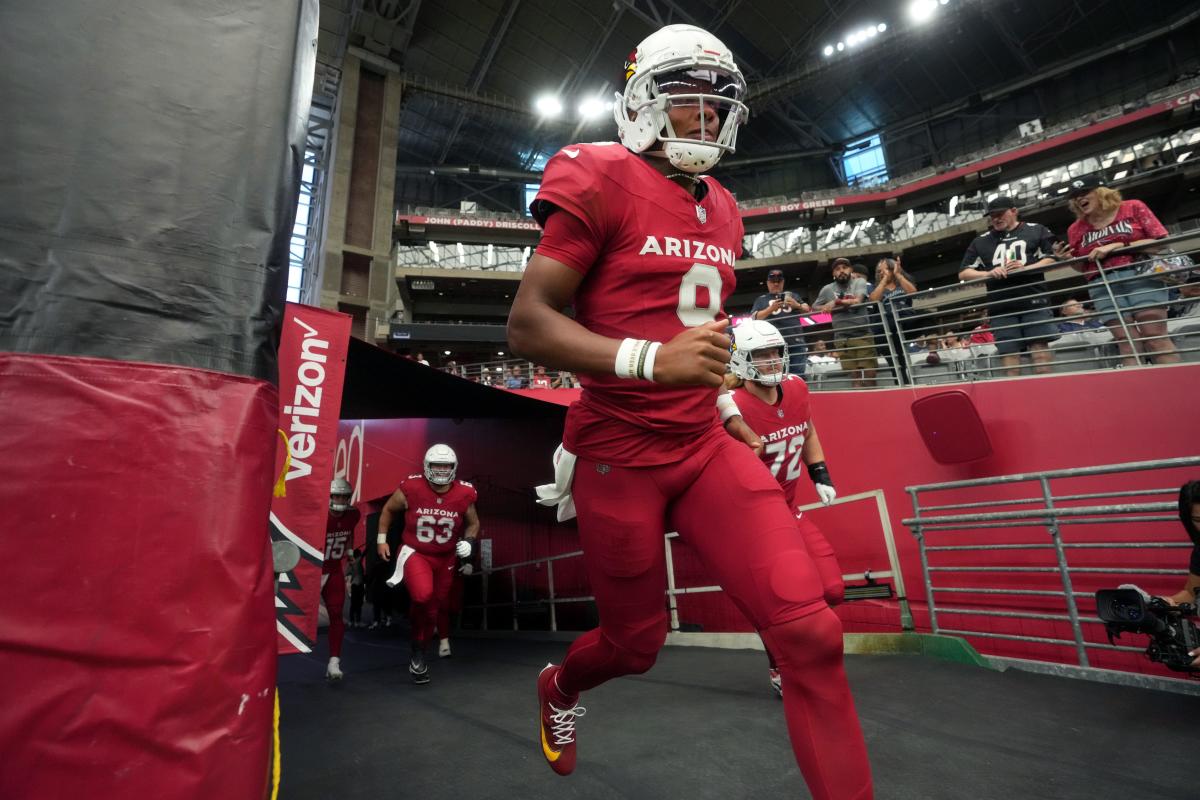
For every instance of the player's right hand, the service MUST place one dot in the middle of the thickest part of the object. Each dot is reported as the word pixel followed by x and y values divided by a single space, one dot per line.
pixel 384 551
pixel 695 357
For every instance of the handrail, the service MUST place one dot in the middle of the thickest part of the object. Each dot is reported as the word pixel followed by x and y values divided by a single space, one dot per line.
pixel 989 539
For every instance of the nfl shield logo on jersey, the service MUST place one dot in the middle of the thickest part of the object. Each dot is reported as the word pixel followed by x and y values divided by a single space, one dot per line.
pixel 701 214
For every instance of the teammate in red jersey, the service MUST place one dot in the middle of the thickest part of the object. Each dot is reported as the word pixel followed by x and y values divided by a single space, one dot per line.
pixel 339 539
pixel 642 246
pixel 440 525
pixel 775 406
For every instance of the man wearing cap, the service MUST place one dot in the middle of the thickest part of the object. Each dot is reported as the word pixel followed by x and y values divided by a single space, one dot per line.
pixel 844 300
pixel 783 310
pixel 1009 255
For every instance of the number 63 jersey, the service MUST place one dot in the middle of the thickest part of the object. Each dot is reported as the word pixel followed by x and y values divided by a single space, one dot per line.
pixel 655 260
pixel 783 428
pixel 434 522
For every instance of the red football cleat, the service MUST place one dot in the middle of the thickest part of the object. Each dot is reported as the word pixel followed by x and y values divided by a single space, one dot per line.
pixel 557 725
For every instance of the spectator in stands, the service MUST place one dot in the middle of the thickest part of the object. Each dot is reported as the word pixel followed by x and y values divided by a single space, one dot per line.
pixel 1105 223
pixel 783 309
pixel 420 359
pixel 515 379
pixel 1076 319
pixel 982 333
pixel 540 379
pixel 851 330
pixel 1188 306
pixel 1009 256
pixel 892 285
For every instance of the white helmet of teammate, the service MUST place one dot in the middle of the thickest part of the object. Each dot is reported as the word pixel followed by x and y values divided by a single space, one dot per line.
pixel 681 65
pixel 748 361
pixel 440 465
pixel 340 492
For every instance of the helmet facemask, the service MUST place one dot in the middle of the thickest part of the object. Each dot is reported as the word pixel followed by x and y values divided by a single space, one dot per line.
pixel 440 473
pixel 768 365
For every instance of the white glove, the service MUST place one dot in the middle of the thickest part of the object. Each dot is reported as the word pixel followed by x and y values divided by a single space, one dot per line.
pixel 559 493
pixel 463 549
pixel 826 492
pixel 467 569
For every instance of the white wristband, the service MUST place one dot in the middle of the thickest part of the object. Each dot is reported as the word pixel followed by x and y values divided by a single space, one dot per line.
pixel 381 538
pixel 648 363
pixel 627 355
pixel 727 407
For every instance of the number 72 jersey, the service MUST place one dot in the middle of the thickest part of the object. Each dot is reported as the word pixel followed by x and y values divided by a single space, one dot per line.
pixel 434 522
pixel 783 428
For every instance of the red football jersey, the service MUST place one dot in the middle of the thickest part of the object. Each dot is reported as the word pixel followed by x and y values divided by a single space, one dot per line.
pixel 339 538
pixel 783 428
pixel 434 522
pixel 663 262
pixel 1133 222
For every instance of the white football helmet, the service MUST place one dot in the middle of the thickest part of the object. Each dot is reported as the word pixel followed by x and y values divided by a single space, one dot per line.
pixel 681 65
pixel 748 361
pixel 440 465
pixel 340 492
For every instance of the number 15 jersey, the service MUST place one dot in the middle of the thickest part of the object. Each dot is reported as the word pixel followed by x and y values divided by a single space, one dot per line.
pixel 434 522
pixel 655 260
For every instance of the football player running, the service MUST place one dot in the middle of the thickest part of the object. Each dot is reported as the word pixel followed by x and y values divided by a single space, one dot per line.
pixel 440 526
pixel 775 406
pixel 642 245
pixel 339 539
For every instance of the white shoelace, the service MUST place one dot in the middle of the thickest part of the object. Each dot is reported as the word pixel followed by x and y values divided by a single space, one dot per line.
pixel 564 723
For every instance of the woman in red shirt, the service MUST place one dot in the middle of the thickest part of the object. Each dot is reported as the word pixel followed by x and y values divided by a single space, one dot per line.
pixel 1104 223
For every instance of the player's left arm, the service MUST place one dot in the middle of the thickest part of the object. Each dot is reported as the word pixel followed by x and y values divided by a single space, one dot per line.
pixel 472 530
pixel 466 545
pixel 813 456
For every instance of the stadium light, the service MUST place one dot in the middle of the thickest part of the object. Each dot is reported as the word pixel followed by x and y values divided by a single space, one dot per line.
pixel 1183 157
pixel 433 248
pixel 911 218
pixel 855 38
pixel 922 10
pixel 593 108
pixel 1120 175
pixel 548 105
pixel 953 205
pixel 446 352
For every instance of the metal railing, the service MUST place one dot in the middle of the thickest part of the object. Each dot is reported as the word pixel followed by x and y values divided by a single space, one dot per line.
pixel 551 600
pixel 992 531
pixel 949 334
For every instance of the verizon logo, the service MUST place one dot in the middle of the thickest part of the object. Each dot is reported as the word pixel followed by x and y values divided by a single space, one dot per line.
pixel 306 403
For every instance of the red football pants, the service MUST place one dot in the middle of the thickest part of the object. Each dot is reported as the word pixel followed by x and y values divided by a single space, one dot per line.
pixel 428 579
pixel 333 593
pixel 729 509
pixel 824 558
pixel 453 603
pixel 832 586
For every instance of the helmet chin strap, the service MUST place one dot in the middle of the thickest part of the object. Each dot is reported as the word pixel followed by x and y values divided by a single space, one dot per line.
pixel 692 177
